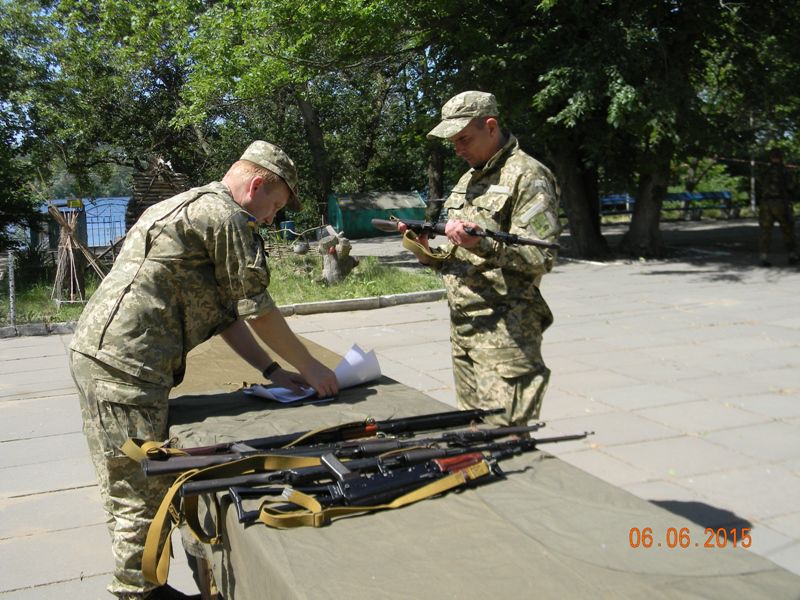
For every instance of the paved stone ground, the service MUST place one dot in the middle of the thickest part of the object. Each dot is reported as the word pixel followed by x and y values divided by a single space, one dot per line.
pixel 687 370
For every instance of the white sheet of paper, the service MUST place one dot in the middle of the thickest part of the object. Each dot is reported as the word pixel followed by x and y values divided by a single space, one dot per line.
pixel 279 394
pixel 355 368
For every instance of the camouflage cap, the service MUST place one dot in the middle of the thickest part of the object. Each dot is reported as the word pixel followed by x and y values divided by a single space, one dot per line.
pixel 276 160
pixel 461 109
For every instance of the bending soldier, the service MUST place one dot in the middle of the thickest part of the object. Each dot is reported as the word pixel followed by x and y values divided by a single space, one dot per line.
pixel 190 268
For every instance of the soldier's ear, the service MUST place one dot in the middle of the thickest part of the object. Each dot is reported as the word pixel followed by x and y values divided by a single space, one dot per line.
pixel 255 183
pixel 493 124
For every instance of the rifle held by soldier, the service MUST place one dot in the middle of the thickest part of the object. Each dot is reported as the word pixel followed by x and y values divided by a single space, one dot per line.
pixel 432 229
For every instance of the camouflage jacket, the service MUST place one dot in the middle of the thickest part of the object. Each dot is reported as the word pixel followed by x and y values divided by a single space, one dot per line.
pixel 188 269
pixel 493 288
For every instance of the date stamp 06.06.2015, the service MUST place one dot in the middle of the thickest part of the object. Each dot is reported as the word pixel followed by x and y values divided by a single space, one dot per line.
pixel 675 538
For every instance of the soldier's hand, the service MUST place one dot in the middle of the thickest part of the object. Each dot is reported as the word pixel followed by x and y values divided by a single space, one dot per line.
pixel 322 379
pixel 454 230
pixel 289 380
pixel 422 238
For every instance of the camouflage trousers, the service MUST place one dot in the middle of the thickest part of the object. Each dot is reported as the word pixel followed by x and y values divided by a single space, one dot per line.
pixel 116 406
pixel 511 378
pixel 769 212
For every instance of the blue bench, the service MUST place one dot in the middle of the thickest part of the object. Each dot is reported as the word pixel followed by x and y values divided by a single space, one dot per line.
pixel 617 204
pixel 693 203
pixel 690 203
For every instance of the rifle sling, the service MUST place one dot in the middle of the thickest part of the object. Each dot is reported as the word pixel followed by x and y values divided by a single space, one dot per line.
pixel 155 559
pixel 312 514
pixel 139 450
pixel 410 243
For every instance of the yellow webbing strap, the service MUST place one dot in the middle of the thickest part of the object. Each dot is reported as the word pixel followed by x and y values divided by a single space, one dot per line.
pixel 410 243
pixel 155 561
pixel 311 513
pixel 155 565
pixel 139 450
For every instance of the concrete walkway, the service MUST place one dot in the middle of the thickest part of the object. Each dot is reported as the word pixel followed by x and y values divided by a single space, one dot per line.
pixel 688 371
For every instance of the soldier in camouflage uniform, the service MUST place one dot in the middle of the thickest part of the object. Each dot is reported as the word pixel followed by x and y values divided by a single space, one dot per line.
pixel 775 205
pixel 497 314
pixel 191 267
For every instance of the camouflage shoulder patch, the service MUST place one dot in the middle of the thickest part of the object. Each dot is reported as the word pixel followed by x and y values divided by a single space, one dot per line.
pixel 539 205
pixel 498 189
pixel 540 183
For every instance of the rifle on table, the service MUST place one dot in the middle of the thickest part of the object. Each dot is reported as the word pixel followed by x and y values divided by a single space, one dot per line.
pixel 352 487
pixel 346 450
pixel 432 229
pixel 372 482
pixel 361 455
pixel 163 462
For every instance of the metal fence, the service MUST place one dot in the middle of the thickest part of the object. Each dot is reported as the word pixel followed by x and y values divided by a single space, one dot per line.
pixel 105 221
pixel 100 223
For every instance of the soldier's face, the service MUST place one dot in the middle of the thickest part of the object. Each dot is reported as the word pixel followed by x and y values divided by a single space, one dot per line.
pixel 267 199
pixel 476 144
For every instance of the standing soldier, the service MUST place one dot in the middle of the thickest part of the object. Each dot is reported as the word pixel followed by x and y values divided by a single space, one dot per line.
pixel 497 314
pixel 775 205
pixel 191 268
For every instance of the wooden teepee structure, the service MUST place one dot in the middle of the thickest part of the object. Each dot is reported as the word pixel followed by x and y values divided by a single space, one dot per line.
pixel 69 284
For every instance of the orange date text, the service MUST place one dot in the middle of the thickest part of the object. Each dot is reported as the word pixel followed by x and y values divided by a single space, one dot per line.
pixel 673 537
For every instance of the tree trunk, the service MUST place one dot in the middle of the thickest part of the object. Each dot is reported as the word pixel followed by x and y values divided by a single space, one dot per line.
pixel 372 131
pixel 319 155
pixel 643 238
pixel 579 197
pixel 435 182
pixel 336 260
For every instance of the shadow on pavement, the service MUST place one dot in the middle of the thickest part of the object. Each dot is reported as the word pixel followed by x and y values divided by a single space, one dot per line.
pixel 718 250
pixel 705 515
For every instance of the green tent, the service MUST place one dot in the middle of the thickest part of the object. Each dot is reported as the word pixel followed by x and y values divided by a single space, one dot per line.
pixel 352 213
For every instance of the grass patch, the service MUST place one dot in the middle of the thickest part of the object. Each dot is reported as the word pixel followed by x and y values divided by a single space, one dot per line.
pixel 293 280
pixel 34 305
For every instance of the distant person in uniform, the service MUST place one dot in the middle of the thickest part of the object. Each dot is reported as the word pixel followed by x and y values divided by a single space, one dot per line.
pixel 192 267
pixel 775 204
pixel 497 313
